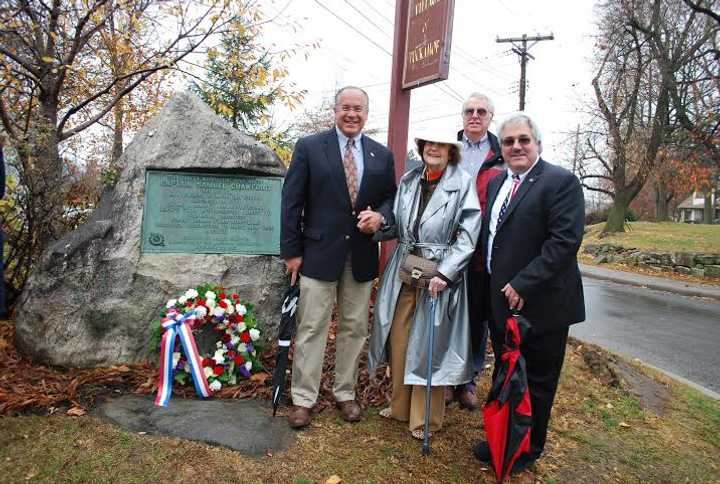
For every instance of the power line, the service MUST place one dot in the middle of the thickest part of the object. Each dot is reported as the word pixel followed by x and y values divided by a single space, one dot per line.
pixel 354 29
pixel 368 19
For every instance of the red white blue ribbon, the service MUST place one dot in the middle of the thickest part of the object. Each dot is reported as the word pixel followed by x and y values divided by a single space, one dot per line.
pixel 175 324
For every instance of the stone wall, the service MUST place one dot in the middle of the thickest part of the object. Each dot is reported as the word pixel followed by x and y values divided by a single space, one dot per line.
pixel 688 263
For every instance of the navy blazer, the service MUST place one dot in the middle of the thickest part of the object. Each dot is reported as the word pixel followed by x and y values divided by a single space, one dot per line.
pixel 535 248
pixel 318 221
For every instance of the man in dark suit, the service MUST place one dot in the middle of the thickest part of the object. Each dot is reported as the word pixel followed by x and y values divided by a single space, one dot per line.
pixel 531 234
pixel 338 191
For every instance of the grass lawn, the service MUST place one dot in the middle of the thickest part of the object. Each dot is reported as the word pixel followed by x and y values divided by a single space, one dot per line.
pixel 599 433
pixel 664 237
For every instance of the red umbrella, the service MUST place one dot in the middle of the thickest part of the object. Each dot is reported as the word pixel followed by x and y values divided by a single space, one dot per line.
pixel 507 412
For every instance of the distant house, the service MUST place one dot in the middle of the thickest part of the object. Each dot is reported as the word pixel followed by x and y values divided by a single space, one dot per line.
pixel 692 208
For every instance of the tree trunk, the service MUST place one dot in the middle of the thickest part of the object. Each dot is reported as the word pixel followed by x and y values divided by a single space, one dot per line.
pixel 708 208
pixel 118 131
pixel 662 212
pixel 616 216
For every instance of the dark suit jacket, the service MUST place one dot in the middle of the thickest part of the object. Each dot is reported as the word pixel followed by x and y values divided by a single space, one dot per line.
pixel 535 248
pixel 318 221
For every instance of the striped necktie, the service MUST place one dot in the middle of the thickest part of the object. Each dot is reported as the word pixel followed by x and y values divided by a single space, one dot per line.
pixel 510 195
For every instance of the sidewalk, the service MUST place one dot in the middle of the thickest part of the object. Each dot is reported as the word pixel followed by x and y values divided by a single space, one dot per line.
pixel 652 282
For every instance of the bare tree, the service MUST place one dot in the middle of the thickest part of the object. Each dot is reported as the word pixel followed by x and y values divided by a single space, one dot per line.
pixel 647 47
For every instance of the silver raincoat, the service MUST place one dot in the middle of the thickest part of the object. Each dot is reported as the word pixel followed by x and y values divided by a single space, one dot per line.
pixel 449 230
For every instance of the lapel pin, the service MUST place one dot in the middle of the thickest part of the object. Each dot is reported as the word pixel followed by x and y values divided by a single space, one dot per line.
pixel 372 154
pixel 531 180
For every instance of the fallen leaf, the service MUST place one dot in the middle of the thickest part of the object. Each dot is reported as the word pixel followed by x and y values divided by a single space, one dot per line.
pixel 30 475
pixel 262 376
pixel 333 480
pixel 76 412
pixel 624 425
pixel 142 433
pixel 609 405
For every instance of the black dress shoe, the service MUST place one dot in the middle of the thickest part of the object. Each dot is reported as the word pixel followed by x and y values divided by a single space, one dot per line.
pixel 482 451
pixel 522 463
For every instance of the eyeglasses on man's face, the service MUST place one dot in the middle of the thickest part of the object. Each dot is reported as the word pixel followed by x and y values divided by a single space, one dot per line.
pixel 510 141
pixel 347 108
pixel 482 112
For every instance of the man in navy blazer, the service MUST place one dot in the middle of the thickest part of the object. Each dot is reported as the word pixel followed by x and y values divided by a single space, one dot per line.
pixel 338 191
pixel 530 236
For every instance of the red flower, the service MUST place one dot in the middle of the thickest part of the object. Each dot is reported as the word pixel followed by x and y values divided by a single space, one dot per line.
pixel 200 302
pixel 223 304
pixel 223 296
pixel 218 370
pixel 231 354
pixel 225 338
pixel 208 362
pixel 239 360
pixel 245 337
pixel 240 318
pixel 235 296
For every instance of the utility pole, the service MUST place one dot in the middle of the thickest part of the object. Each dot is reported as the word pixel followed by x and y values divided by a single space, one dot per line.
pixel 520 47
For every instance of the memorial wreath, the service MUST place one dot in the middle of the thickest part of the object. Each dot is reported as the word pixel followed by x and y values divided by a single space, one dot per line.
pixel 237 347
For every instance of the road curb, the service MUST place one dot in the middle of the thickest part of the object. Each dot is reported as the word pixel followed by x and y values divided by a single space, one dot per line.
pixel 710 293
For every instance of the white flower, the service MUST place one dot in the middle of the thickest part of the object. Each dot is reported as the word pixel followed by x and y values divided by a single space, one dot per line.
pixel 219 356
pixel 209 295
pixel 235 340
pixel 215 385
pixel 254 334
pixel 191 294
pixel 208 371
pixel 241 310
pixel 210 303
pixel 218 311
pixel 241 327
pixel 176 358
pixel 201 311
pixel 248 365
pixel 229 309
pixel 242 348
pixel 182 299
pixel 171 303
pixel 218 344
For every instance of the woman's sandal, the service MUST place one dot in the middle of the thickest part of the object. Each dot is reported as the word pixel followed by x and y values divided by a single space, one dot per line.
pixel 385 412
pixel 419 434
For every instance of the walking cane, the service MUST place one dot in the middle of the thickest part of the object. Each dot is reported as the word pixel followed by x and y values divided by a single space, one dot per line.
pixel 428 387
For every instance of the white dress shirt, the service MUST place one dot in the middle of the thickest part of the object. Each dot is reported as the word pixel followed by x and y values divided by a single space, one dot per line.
pixel 495 211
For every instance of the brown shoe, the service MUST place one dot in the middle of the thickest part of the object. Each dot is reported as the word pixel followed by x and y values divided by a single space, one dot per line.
pixel 299 417
pixel 350 409
pixel 468 399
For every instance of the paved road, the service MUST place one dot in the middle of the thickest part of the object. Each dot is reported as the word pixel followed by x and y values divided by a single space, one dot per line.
pixel 675 333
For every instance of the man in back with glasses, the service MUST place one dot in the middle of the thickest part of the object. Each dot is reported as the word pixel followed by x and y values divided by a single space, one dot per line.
pixel 481 159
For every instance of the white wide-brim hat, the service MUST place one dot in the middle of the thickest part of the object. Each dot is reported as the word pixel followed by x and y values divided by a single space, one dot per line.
pixel 441 137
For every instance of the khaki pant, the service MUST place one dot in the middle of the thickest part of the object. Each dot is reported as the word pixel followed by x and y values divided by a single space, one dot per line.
pixel 408 401
pixel 314 313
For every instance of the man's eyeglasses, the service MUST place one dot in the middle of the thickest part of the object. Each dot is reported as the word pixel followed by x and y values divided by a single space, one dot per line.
pixel 479 111
pixel 356 109
pixel 523 140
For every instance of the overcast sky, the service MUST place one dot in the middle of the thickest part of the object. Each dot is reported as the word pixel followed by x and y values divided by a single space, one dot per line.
pixel 359 54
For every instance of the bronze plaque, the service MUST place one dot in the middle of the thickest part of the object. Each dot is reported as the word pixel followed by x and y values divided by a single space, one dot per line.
pixel 427 46
pixel 207 213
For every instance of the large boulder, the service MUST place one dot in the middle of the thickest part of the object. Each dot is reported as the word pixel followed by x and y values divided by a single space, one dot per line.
pixel 91 297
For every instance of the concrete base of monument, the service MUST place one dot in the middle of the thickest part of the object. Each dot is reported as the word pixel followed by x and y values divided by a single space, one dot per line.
pixel 246 426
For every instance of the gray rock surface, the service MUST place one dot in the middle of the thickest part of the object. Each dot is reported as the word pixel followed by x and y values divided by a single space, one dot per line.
pixel 92 295
pixel 242 425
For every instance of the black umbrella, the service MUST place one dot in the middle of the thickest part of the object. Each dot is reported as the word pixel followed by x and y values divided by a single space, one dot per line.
pixel 285 334
pixel 428 381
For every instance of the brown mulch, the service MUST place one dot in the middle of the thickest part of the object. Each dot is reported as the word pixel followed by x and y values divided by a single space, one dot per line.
pixel 29 387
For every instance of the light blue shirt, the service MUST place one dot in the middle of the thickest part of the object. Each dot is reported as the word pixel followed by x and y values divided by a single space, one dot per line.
pixel 495 211
pixel 474 154
pixel 357 152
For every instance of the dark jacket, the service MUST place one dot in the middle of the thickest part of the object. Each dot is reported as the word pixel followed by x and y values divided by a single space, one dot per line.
pixel 318 221
pixel 535 248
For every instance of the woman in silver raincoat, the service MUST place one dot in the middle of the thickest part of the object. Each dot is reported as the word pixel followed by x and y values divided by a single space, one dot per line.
pixel 446 233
